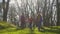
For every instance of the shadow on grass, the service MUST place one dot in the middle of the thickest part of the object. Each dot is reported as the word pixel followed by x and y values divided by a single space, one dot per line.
pixel 31 32
pixel 8 30
pixel 53 30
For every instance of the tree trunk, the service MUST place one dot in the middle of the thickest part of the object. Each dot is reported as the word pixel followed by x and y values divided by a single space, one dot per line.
pixel 58 13
pixel 5 10
pixel 44 10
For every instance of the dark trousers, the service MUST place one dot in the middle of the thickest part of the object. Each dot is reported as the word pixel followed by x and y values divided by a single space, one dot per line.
pixel 30 26
pixel 39 25
pixel 22 24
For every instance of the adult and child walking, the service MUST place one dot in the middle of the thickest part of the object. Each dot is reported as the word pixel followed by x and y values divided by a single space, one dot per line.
pixel 33 22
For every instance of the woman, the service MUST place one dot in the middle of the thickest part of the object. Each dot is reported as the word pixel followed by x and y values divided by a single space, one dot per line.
pixel 39 21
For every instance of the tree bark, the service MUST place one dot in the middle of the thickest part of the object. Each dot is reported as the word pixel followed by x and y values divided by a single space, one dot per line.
pixel 58 13
pixel 5 10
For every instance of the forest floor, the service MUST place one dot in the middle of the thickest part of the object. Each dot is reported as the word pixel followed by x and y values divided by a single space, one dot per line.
pixel 9 29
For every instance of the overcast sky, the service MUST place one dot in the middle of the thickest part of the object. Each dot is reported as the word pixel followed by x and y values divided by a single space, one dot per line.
pixel 0 0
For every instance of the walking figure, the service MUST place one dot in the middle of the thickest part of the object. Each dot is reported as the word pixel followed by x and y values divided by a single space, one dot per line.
pixel 39 21
pixel 22 21
pixel 30 23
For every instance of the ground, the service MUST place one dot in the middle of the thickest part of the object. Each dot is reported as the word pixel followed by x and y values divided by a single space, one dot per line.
pixel 9 29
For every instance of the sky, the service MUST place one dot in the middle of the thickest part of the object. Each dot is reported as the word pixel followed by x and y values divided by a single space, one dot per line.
pixel 0 0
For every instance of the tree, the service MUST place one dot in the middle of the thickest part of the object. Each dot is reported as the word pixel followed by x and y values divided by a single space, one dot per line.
pixel 58 13
pixel 44 9
pixel 5 9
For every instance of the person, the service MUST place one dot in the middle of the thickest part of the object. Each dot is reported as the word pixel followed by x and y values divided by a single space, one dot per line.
pixel 39 21
pixel 22 21
pixel 17 21
pixel 30 23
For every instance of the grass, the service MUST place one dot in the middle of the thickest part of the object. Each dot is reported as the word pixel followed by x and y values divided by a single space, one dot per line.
pixel 28 31
pixel 9 29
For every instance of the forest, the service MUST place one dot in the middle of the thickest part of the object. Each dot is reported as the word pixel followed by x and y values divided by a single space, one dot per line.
pixel 29 16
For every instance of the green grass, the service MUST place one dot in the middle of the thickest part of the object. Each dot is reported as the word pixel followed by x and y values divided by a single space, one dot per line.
pixel 28 31
pixel 6 24
pixel 9 29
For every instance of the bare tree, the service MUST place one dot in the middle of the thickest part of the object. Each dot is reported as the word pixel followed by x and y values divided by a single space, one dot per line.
pixel 58 12
pixel 5 9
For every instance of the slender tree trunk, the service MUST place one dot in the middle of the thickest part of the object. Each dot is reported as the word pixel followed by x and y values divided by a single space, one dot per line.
pixel 52 13
pixel 44 10
pixel 3 10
